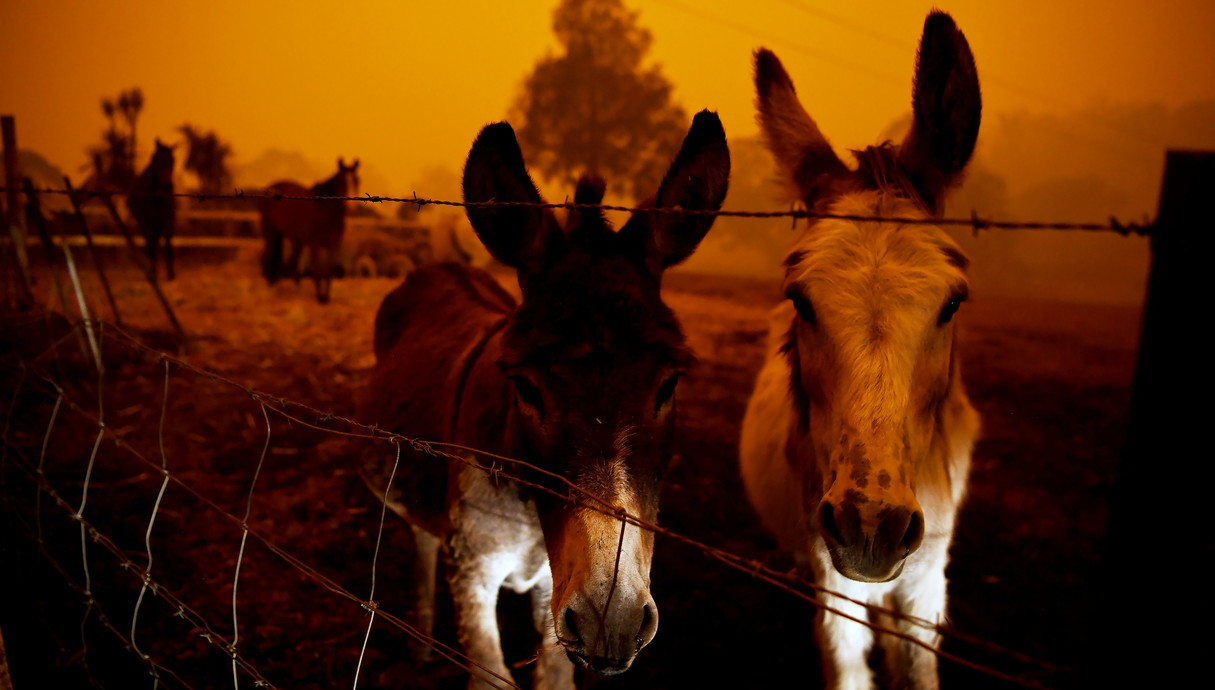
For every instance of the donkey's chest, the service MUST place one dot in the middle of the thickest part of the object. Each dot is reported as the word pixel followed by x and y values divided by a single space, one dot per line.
pixel 493 523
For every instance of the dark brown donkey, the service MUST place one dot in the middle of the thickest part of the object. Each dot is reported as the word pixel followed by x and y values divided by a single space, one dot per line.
pixel 579 379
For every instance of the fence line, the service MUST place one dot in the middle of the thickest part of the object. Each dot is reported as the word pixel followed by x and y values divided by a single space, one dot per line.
pixel 975 222
pixel 586 499
pixel 211 636
pixel 184 610
pixel 755 569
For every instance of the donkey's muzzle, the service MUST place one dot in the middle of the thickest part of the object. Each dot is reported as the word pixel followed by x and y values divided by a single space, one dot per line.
pixel 607 645
pixel 870 547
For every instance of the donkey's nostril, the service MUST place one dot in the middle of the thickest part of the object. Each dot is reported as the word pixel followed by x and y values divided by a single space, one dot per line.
pixel 571 624
pixel 915 533
pixel 826 522
pixel 649 626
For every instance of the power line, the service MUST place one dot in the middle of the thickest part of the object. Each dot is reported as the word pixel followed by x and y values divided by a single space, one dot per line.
pixel 988 78
pixel 798 47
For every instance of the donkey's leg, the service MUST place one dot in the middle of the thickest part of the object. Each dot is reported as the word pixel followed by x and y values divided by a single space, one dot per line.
pixel 843 643
pixel 553 668
pixel 476 577
pixel 921 594
pixel 426 564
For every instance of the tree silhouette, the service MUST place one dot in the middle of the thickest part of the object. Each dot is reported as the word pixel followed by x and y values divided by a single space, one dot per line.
pixel 594 108
pixel 113 161
pixel 208 160
pixel 130 103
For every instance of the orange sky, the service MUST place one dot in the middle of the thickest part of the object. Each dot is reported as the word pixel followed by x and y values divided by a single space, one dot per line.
pixel 405 86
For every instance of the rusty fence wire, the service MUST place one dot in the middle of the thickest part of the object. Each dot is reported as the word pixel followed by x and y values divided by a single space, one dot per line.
pixel 975 221
pixel 42 374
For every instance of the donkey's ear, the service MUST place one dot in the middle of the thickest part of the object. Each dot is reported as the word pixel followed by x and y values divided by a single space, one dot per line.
pixel 516 235
pixel 804 156
pixel 946 105
pixel 696 181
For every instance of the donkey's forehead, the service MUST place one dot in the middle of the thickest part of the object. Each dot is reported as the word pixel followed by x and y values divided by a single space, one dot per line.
pixel 593 310
pixel 899 259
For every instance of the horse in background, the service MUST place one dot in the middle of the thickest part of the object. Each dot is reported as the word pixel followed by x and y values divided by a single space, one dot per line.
pixel 578 379
pixel 856 444
pixel 316 225
pixel 154 208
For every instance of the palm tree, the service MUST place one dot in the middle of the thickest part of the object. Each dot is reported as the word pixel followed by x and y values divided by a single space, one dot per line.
pixel 131 104
pixel 107 107
pixel 208 159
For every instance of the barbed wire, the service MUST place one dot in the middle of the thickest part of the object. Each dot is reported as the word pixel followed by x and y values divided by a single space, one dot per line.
pixel 976 222
pixel 789 582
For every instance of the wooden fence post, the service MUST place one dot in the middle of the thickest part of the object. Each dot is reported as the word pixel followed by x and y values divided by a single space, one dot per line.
pixel 1154 604
pixel 16 267
pixel 88 238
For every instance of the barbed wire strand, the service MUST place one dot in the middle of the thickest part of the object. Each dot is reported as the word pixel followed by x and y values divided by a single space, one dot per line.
pixel 336 588
pixel 596 503
pixel 732 560
pixel 975 222
pixel 591 501
pixel 753 568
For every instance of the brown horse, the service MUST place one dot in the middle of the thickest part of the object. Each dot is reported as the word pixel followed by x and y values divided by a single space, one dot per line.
pixel 317 225
pixel 578 379
pixel 152 205
pixel 856 444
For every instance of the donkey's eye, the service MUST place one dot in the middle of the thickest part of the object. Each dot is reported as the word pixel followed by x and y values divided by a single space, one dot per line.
pixel 950 308
pixel 528 393
pixel 665 392
pixel 803 306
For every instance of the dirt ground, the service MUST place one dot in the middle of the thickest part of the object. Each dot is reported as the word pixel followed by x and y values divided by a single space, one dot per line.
pixel 1051 380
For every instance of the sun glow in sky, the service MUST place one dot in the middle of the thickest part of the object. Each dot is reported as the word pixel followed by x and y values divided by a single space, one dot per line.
pixel 405 86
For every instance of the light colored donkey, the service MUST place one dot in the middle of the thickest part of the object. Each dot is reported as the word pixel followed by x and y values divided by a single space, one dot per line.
pixel 856 444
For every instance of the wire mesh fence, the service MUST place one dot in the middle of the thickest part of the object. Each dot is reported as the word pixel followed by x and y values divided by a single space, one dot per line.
pixel 206 598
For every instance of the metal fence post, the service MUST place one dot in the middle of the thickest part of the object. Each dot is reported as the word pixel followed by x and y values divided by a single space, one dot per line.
pixel 1155 597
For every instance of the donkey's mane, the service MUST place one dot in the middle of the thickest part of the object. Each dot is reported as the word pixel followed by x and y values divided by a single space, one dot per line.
pixel 878 169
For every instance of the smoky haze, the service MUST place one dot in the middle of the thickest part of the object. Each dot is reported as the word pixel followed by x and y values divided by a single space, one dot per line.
pixel 1101 162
